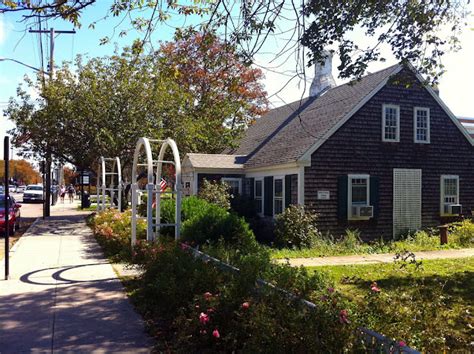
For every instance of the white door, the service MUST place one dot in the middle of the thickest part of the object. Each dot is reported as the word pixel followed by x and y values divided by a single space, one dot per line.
pixel 406 201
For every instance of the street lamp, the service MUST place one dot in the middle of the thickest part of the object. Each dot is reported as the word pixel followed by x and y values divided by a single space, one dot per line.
pixel 28 66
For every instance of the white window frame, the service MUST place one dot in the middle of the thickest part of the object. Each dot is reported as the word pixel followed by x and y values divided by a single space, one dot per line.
pixel 282 178
pixel 397 138
pixel 415 121
pixel 233 179
pixel 442 192
pixel 255 193
pixel 349 193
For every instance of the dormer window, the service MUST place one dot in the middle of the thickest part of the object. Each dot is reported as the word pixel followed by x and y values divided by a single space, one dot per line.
pixel 390 123
pixel 421 122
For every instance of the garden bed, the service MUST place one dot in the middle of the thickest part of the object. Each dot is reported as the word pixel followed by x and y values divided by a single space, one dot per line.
pixel 196 306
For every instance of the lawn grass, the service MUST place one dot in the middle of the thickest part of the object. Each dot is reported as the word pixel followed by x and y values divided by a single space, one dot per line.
pixel 433 301
pixel 93 207
pixel 391 275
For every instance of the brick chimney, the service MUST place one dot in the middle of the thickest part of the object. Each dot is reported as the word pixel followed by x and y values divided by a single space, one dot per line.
pixel 323 79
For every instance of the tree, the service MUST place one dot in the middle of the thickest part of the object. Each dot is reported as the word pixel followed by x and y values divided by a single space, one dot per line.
pixel 69 176
pixel 103 107
pixel 225 95
pixel 22 171
pixel 410 28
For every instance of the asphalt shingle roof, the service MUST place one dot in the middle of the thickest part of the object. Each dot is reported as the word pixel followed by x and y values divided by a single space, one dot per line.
pixel 216 161
pixel 284 134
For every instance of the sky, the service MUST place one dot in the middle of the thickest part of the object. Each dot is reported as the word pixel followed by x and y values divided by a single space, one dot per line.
pixel 456 86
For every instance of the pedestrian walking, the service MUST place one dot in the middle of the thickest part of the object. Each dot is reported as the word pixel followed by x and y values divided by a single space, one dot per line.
pixel 70 192
pixel 62 193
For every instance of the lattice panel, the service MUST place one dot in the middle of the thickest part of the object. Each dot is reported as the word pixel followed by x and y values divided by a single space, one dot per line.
pixel 406 201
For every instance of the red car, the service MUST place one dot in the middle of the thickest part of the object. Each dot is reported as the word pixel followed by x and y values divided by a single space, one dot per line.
pixel 14 219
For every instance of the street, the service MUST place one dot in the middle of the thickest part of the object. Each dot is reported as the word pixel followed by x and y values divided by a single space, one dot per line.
pixel 29 213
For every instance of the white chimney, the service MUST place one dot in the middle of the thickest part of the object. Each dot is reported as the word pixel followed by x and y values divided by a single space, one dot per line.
pixel 323 79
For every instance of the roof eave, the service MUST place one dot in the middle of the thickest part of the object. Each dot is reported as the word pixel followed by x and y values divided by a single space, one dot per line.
pixel 305 159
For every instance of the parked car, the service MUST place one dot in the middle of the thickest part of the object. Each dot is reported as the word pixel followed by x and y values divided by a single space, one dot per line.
pixel 20 189
pixel 14 219
pixel 33 193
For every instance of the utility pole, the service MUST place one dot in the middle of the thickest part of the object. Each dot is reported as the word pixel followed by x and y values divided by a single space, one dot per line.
pixel 52 32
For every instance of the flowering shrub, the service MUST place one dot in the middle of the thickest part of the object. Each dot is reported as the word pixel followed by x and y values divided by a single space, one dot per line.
pixel 112 230
pixel 216 193
pixel 197 306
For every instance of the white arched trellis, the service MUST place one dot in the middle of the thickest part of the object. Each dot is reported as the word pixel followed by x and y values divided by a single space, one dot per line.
pixel 102 187
pixel 153 188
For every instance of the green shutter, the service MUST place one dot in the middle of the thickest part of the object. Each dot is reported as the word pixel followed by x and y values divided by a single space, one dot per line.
pixel 252 188
pixel 374 195
pixel 268 196
pixel 287 191
pixel 342 197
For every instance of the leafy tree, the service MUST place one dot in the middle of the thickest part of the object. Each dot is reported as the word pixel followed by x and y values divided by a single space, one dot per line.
pixel 411 29
pixel 69 176
pixel 106 104
pixel 225 95
pixel 21 170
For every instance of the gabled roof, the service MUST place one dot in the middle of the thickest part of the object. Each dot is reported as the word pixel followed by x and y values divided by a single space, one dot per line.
pixel 216 161
pixel 286 133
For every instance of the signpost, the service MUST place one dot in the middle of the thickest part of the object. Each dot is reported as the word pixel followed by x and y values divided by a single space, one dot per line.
pixel 6 158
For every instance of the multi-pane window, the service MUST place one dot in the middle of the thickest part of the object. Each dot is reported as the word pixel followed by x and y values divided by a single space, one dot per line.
pixel 277 196
pixel 421 125
pixel 358 193
pixel 391 123
pixel 449 192
pixel 258 195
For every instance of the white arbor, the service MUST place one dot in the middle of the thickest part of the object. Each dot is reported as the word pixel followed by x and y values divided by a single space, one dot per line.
pixel 109 179
pixel 154 170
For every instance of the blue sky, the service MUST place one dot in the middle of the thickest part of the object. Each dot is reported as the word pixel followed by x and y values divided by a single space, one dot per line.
pixel 456 86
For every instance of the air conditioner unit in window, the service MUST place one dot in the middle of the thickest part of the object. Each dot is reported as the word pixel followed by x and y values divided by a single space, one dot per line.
pixel 454 209
pixel 362 212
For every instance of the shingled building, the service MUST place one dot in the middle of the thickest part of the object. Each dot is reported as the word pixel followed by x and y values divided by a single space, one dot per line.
pixel 383 155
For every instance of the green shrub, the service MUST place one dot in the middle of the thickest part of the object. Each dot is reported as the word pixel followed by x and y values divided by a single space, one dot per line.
pixel 214 224
pixel 296 227
pixel 463 233
pixel 216 193
pixel 351 240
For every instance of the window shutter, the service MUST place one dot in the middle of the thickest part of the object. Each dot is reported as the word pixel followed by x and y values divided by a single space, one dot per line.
pixel 374 194
pixel 287 191
pixel 342 197
pixel 268 196
pixel 251 188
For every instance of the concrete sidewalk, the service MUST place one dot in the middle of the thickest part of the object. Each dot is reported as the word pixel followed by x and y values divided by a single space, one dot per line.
pixel 63 295
pixel 375 258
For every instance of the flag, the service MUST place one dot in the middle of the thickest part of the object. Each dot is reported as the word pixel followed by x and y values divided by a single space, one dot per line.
pixel 163 185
